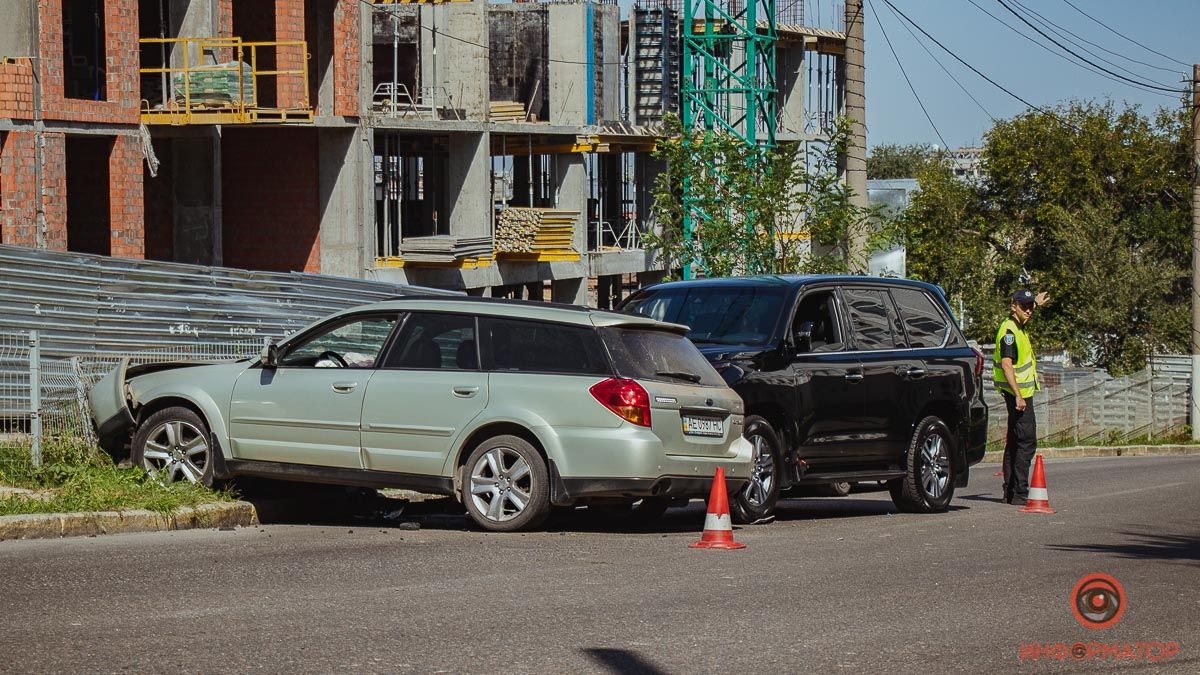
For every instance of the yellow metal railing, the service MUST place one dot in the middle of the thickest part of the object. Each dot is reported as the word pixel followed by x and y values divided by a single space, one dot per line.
pixel 188 100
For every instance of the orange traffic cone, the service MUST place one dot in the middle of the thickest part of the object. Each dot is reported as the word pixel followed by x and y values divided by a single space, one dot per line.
pixel 1039 499
pixel 718 528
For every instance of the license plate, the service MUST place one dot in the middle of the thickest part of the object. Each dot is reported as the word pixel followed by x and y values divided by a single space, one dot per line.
pixel 703 426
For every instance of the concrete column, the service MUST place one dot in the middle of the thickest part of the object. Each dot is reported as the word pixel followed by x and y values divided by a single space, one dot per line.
pixel 458 65
pixel 189 18
pixel 607 21
pixel 571 191
pixel 344 173
pixel 468 182
pixel 789 74
pixel 856 110
pixel 321 62
pixel 571 291
pixel 645 174
pixel 569 74
pixel 197 174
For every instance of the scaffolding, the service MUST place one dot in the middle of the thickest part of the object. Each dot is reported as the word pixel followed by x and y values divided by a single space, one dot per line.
pixel 225 92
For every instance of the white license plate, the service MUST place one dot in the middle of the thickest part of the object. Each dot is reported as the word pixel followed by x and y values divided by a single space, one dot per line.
pixel 703 426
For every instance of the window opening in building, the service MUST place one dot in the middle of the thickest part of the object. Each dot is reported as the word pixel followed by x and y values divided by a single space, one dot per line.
pixel 84 73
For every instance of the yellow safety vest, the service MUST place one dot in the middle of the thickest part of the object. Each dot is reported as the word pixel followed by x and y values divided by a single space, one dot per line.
pixel 1025 367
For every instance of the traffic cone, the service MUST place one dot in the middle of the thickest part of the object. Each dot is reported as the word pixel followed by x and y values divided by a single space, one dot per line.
pixel 718 528
pixel 1038 500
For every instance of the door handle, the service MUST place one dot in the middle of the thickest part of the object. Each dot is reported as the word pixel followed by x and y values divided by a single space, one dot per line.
pixel 344 387
pixel 915 372
pixel 854 377
pixel 465 392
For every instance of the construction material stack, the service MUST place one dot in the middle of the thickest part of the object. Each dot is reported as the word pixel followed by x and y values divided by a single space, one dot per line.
pixel 507 111
pixel 445 250
pixel 545 234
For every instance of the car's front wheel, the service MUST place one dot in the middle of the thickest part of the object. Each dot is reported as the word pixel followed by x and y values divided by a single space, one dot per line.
pixel 757 500
pixel 173 444
pixel 506 486
pixel 928 484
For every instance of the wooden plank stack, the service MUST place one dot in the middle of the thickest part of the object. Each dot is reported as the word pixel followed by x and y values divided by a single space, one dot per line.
pixel 444 249
pixel 536 231
pixel 507 111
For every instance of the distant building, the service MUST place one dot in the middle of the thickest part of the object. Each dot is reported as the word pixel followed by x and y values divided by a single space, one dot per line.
pixel 967 163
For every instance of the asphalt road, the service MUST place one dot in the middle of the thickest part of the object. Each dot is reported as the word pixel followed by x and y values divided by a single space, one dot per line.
pixel 834 584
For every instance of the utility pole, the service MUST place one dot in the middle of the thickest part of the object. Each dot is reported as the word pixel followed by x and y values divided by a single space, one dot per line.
pixel 1192 398
pixel 856 153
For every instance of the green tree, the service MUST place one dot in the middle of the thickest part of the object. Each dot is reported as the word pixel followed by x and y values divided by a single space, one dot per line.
pixel 782 210
pixel 892 160
pixel 1087 201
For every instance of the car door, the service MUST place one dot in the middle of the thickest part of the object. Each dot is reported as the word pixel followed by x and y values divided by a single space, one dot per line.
pixel 933 375
pixel 307 409
pixel 880 342
pixel 425 394
pixel 828 381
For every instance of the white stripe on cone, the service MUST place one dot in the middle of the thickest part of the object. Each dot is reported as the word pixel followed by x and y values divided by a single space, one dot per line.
pixel 715 523
pixel 1038 494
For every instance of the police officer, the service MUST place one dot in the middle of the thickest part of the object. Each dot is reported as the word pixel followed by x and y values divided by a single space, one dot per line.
pixel 1015 374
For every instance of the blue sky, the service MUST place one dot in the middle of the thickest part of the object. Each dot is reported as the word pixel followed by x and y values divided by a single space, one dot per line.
pixel 893 116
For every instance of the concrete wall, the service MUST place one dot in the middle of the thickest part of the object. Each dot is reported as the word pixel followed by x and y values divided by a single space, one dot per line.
pixel 568 69
pixel 608 22
pixel 517 38
pixel 459 66
pixel 468 185
pixel 345 178
pixel 190 18
pixel 789 77
pixel 17 29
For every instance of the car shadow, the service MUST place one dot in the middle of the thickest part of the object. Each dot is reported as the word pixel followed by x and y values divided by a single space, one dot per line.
pixel 622 661
pixel 1147 545
pixel 981 498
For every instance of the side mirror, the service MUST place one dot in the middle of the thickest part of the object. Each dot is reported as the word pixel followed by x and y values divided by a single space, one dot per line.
pixel 802 338
pixel 269 357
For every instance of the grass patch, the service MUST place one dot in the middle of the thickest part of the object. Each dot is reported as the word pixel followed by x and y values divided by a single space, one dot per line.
pixel 84 478
pixel 1114 438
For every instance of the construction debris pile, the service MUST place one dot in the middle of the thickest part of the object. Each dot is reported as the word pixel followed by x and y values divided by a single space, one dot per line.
pixel 444 248
pixel 529 230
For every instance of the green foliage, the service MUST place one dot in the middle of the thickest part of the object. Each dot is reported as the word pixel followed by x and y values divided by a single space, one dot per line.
pixel 1087 202
pixel 756 210
pixel 902 161
pixel 78 477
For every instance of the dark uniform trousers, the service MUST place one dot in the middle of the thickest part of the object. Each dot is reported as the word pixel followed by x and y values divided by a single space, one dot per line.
pixel 1019 447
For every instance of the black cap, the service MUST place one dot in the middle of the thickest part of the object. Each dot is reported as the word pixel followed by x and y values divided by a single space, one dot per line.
pixel 1023 297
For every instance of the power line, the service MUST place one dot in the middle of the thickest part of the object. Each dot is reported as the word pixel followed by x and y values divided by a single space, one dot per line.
pixel 906 79
pixel 1048 50
pixel 942 66
pixel 1072 53
pixel 960 60
pixel 1124 37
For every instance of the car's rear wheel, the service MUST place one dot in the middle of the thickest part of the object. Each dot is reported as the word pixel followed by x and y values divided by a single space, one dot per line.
pixel 757 500
pixel 928 484
pixel 506 486
pixel 172 445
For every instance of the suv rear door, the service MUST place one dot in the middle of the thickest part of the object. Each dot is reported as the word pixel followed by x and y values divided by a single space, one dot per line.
pixel 880 342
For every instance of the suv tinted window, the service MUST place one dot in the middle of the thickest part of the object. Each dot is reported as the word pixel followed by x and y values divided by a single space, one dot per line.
pixel 432 341
pixel 923 321
pixel 537 347
pixel 658 355
pixel 732 315
pixel 872 319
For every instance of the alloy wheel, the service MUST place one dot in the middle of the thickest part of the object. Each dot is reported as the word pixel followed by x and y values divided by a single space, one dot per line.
pixel 501 484
pixel 935 466
pixel 762 475
pixel 176 449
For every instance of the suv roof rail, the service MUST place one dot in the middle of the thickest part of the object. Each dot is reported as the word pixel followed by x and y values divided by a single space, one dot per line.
pixel 501 301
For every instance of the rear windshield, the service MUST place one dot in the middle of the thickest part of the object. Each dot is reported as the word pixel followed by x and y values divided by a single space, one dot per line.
pixel 727 315
pixel 658 355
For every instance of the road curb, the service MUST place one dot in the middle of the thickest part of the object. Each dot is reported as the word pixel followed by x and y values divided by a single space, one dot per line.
pixel 996 456
pixel 56 525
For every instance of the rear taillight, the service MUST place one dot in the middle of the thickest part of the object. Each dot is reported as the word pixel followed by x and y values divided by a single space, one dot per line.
pixel 626 398
pixel 978 362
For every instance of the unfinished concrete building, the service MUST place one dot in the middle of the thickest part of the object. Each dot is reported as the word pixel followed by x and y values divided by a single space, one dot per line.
pixel 500 149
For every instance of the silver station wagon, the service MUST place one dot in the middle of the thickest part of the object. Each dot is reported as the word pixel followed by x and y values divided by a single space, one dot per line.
pixel 510 406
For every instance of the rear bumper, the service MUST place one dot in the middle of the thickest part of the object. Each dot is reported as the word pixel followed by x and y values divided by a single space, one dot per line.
pixel 664 486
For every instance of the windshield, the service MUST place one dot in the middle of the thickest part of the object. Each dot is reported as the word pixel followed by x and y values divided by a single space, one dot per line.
pixel 728 315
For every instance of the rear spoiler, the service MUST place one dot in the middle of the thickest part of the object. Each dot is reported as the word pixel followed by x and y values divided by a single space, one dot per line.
pixel 637 322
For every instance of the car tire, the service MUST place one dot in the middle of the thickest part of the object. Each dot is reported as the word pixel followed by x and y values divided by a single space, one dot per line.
pixel 174 444
pixel 840 489
pixel 757 500
pixel 928 482
pixel 506 486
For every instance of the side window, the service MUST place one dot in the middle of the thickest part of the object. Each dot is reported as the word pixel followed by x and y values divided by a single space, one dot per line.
pixel 872 319
pixel 536 347
pixel 431 341
pixel 817 312
pixel 353 344
pixel 924 322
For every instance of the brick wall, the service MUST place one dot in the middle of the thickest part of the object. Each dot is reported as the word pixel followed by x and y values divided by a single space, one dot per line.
pixel 292 90
pixel 347 58
pixel 16 89
pixel 121 59
pixel 54 187
pixel 270 218
pixel 18 213
pixel 125 198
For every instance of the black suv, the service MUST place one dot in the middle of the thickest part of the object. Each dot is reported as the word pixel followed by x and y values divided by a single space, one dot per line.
pixel 845 379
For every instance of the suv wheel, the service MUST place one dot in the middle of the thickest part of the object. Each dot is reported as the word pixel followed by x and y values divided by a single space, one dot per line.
pixel 507 487
pixel 173 445
pixel 928 484
pixel 757 499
